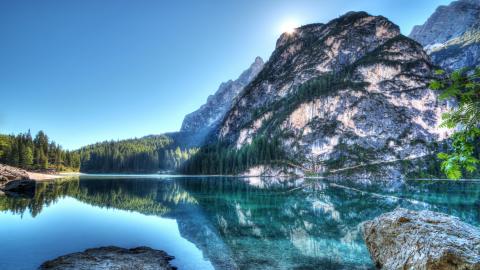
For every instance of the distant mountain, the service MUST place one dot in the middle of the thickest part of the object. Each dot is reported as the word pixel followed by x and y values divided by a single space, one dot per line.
pixel 208 115
pixel 452 35
pixel 346 98
pixel 168 151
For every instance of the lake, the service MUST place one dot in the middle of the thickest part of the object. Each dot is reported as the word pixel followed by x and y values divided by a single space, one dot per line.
pixel 216 222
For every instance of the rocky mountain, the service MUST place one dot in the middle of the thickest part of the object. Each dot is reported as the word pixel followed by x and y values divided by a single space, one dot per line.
pixel 348 97
pixel 452 35
pixel 208 115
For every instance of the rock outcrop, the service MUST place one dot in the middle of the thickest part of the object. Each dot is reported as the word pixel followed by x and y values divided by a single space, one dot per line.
pixel 140 258
pixel 424 240
pixel 273 171
pixel 209 114
pixel 347 98
pixel 452 35
pixel 13 179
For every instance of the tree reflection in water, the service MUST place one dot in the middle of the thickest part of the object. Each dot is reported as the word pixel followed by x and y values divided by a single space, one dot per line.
pixel 268 223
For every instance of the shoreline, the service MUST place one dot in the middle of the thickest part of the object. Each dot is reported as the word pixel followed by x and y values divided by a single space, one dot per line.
pixel 39 177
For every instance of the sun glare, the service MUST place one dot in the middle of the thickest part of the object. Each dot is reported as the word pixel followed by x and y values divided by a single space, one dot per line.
pixel 289 26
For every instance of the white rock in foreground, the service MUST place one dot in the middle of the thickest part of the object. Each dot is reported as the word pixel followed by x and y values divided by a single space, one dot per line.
pixel 405 239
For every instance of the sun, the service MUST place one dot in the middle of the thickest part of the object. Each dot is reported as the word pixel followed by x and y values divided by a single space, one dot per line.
pixel 289 26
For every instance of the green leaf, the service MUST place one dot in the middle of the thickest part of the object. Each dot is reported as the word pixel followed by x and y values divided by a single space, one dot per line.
pixel 443 156
pixel 465 89
pixel 435 85
pixel 454 174
pixel 439 72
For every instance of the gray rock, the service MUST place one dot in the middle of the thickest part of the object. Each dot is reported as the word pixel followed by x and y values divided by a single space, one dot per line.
pixel 12 173
pixel 341 98
pixel 447 22
pixel 112 258
pixel 452 35
pixel 405 239
pixel 209 114
pixel 14 179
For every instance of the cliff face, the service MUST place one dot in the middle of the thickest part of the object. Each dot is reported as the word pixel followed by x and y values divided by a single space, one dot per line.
pixel 452 35
pixel 208 115
pixel 340 98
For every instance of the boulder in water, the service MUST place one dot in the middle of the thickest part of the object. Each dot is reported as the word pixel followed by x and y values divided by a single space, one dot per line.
pixel 103 258
pixel 405 239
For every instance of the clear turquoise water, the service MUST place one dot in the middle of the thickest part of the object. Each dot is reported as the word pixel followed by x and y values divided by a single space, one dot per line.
pixel 216 222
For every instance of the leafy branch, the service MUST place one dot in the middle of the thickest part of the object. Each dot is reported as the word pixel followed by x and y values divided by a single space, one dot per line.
pixel 464 87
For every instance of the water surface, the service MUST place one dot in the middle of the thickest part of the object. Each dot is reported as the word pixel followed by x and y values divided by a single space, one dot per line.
pixel 216 222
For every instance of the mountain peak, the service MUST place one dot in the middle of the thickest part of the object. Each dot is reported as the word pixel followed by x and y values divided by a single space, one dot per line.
pixel 451 35
pixel 332 94
pixel 258 61
pixel 249 74
pixel 208 115
pixel 349 22
pixel 447 22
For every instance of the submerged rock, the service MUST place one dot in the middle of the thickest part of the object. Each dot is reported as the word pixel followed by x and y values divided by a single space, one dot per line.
pixel 21 185
pixel 140 258
pixel 405 239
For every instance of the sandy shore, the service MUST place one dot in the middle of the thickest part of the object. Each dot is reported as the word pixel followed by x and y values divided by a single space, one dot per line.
pixel 44 176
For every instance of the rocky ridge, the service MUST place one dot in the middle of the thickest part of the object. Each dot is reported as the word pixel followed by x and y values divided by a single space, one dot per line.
pixel 340 97
pixel 452 35
pixel 209 114
pixel 405 239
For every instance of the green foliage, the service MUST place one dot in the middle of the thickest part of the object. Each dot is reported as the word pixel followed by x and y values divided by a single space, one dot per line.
pixel 464 87
pixel 37 154
pixel 462 155
pixel 220 158
pixel 147 154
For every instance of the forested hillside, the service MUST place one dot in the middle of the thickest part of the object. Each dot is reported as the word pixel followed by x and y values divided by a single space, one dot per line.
pixel 141 155
pixel 220 159
pixel 39 153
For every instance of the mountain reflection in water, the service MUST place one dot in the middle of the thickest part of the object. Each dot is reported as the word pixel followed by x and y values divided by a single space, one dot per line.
pixel 261 223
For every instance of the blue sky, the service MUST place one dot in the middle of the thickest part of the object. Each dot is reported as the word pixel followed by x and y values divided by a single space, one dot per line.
pixel 92 70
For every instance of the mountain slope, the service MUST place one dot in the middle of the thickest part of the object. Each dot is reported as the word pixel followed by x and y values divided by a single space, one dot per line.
pixel 334 98
pixel 452 35
pixel 208 115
